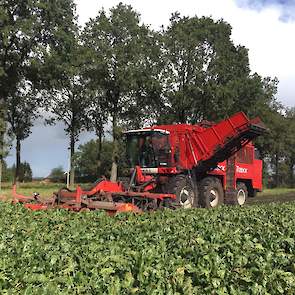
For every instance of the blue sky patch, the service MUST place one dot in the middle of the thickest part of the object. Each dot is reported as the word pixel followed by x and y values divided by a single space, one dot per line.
pixel 286 7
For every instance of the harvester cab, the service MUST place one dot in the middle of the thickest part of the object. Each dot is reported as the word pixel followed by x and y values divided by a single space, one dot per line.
pixel 148 149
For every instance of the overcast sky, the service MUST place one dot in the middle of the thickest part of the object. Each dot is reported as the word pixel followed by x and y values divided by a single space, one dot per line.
pixel 265 27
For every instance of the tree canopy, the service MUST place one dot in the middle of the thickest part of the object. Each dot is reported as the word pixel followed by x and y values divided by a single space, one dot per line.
pixel 206 75
pixel 118 64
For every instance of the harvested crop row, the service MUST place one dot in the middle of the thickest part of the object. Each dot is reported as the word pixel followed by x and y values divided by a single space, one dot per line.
pixel 222 251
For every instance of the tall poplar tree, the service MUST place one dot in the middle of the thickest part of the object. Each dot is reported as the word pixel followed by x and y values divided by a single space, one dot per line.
pixel 29 29
pixel 21 110
pixel 67 98
pixel 118 45
pixel 207 76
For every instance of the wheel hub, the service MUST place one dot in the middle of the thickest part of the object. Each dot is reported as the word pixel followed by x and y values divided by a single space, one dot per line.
pixel 214 198
pixel 241 197
pixel 186 198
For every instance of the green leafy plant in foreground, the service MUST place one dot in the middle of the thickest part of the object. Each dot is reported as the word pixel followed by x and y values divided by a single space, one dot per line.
pixel 229 250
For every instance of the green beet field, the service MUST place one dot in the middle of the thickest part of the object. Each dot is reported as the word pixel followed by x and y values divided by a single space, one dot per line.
pixel 229 250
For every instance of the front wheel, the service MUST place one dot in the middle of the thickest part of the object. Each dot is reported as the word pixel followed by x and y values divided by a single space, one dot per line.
pixel 186 195
pixel 211 192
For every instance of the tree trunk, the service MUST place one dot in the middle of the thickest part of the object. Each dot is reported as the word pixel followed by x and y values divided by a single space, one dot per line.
pixel 1 156
pixel 99 132
pixel 18 161
pixel 114 171
pixel 291 173
pixel 277 169
pixel 72 168
pixel 2 132
pixel 1 165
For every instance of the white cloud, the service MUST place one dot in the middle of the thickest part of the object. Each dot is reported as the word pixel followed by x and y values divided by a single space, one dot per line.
pixel 270 41
pixel 286 8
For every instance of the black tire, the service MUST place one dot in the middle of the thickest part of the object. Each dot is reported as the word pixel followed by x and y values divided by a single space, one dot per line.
pixel 211 192
pixel 238 196
pixel 186 195
pixel 241 194
pixel 252 193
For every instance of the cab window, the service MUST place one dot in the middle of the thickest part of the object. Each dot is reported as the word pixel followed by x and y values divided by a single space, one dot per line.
pixel 245 155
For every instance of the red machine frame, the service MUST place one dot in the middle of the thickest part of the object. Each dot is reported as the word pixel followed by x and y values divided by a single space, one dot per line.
pixel 248 169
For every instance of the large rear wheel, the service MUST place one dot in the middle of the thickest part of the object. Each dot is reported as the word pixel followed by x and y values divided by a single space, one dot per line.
pixel 211 192
pixel 238 196
pixel 242 194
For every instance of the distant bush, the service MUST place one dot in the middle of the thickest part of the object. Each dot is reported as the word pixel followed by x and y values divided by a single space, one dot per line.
pixel 57 174
pixel 25 172
pixel 89 165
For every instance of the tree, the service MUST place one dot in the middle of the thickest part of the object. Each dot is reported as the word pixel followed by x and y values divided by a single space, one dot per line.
pixel 206 75
pixel 69 105
pixel 277 149
pixel 28 31
pixel 289 145
pixel 25 172
pixel 21 109
pixel 66 95
pixel 5 146
pixel 97 117
pixel 57 173
pixel 86 155
pixel 7 173
pixel 117 44
pixel 273 145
